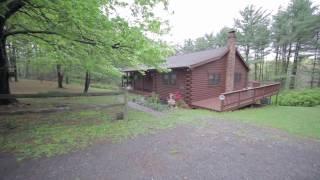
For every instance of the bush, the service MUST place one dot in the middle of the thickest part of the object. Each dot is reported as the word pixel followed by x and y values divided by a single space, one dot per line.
pixel 152 102
pixel 305 98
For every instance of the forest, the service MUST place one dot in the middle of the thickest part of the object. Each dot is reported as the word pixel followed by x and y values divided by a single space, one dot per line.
pixel 283 47
pixel 77 40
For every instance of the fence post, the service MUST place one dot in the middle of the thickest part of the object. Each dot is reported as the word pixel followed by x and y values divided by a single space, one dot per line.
pixel 277 98
pixel 222 105
pixel 125 110
pixel 239 94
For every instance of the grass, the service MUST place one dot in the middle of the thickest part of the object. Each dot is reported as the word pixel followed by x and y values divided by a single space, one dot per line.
pixel 301 121
pixel 36 86
pixel 36 135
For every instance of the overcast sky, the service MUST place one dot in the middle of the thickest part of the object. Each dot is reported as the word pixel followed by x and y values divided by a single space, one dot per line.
pixel 194 18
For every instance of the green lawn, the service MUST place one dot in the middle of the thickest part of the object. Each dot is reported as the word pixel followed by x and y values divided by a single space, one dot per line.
pixel 36 135
pixel 301 121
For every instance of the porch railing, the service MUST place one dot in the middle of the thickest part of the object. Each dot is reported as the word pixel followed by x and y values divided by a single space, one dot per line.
pixel 240 98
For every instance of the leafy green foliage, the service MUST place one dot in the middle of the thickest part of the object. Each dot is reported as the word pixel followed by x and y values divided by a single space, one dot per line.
pixel 205 42
pixel 152 102
pixel 252 27
pixel 306 98
pixel 88 35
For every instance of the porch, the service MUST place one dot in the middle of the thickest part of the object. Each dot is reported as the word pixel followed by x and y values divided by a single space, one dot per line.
pixel 237 99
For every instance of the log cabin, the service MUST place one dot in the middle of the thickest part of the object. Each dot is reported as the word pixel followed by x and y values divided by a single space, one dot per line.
pixel 214 79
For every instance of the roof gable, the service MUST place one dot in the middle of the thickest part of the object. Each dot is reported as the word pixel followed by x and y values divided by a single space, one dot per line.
pixel 192 60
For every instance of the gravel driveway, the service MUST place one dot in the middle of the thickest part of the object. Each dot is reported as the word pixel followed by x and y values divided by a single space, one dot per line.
pixel 220 149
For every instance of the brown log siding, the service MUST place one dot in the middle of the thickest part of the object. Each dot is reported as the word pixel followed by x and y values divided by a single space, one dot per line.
pixel 193 84
pixel 163 90
pixel 240 68
pixel 200 88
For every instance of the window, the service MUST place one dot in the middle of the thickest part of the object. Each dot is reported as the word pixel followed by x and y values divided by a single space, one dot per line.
pixel 137 77
pixel 214 78
pixel 237 77
pixel 169 78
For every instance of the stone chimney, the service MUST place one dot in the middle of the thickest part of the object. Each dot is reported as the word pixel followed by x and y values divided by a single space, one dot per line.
pixel 231 61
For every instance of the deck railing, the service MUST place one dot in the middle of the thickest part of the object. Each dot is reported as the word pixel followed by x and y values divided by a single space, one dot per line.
pixel 240 98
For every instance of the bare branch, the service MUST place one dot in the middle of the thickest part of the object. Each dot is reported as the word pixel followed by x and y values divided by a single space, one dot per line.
pixel 28 32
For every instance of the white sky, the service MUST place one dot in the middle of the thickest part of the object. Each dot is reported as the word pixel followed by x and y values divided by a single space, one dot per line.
pixel 194 18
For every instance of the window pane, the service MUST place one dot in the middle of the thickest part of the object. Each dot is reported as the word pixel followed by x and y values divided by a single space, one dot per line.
pixel 214 79
pixel 173 78
pixel 237 77
pixel 165 79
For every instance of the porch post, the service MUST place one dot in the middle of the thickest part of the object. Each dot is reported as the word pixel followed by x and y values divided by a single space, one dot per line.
pixel 122 85
pixel 142 78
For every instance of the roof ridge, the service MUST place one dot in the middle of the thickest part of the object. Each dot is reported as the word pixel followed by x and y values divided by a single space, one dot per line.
pixel 189 53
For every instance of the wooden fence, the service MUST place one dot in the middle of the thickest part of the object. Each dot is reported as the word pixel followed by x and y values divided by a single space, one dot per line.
pixel 236 99
pixel 58 95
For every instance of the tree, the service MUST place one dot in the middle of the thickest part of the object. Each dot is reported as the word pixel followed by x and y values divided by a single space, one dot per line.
pixel 68 28
pixel 206 41
pixel 251 18
pixel 221 37
pixel 188 46
pixel 304 23
pixel 281 42
pixel 261 43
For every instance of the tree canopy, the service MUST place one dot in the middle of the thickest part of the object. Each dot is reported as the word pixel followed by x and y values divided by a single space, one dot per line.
pixel 94 35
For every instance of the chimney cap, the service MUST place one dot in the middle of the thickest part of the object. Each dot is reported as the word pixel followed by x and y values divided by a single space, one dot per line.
pixel 232 34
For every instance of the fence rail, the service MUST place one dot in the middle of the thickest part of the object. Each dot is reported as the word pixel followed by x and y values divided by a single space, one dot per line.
pixel 58 95
pixel 236 99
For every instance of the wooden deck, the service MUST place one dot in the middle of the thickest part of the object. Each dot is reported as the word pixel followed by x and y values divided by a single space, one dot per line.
pixel 237 99
pixel 210 104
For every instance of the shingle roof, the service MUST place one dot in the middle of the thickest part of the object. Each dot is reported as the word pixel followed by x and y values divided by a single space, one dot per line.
pixel 190 60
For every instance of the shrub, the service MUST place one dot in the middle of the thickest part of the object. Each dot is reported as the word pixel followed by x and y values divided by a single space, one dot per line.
pixel 306 98
pixel 152 102
pixel 154 98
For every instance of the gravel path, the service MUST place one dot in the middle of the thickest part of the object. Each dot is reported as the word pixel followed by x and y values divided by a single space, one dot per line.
pixel 217 150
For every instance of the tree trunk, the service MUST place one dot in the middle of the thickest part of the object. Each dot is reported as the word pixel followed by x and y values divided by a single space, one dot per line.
pixel 14 61
pixel 314 63
pixel 288 59
pixel 277 63
pixel 87 82
pixel 4 72
pixel 255 66
pixel 60 76
pixel 67 79
pixel 27 69
pixel 283 58
pixel 261 75
pixel 255 71
pixel 294 67
pixel 247 53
